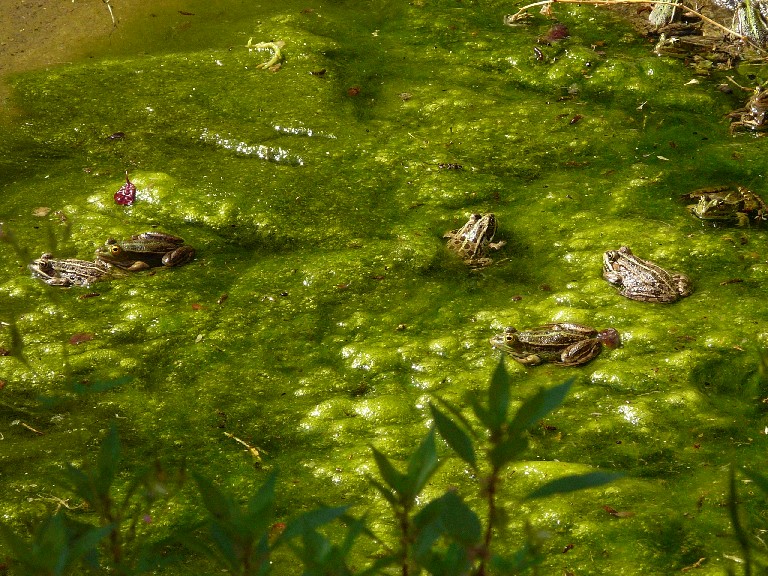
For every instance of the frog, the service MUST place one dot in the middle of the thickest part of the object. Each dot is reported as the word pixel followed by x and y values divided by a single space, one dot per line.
pixel 562 343
pixel 70 271
pixel 726 204
pixel 146 250
pixel 473 241
pixel 643 280
pixel 753 115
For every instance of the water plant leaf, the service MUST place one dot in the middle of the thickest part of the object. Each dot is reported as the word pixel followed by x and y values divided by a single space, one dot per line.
pixel 539 405
pixel 572 483
pixel 388 494
pixel 454 436
pixel 310 521
pixel 218 504
pixel 262 502
pixel 421 466
pixel 481 412
pixel 461 523
pixel 394 479
pixel 106 462
pixel 507 450
pixel 498 396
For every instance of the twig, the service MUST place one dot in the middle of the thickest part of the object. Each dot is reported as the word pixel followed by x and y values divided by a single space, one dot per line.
pixel 252 449
pixel 111 14
pixel 28 427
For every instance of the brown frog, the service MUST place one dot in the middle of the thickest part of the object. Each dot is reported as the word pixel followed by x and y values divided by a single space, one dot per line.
pixel 474 240
pixel 643 280
pixel 564 343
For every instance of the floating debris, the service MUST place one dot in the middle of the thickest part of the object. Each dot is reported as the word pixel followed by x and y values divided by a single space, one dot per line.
pixel 126 195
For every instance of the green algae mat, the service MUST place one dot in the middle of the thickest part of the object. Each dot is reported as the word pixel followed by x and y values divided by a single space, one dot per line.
pixel 323 312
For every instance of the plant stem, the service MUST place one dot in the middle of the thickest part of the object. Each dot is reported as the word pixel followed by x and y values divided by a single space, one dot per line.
pixel 485 553
pixel 405 539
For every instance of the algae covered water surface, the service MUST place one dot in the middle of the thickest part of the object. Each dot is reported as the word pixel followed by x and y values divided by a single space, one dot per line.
pixel 322 311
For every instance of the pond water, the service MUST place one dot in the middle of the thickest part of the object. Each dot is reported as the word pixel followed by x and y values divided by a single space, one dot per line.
pixel 322 311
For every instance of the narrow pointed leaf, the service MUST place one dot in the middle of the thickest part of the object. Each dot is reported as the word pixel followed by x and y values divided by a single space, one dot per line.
pixel 394 479
pixel 460 522
pixel 218 504
pixel 481 413
pixel 421 466
pixel 508 450
pixel 389 496
pixel 573 483
pixel 457 414
pixel 498 396
pixel 455 436
pixel 107 461
pixel 264 498
pixel 538 406
pixel 310 521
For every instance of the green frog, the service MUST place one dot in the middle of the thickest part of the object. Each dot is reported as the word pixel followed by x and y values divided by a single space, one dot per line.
pixel 725 204
pixel 472 241
pixel 642 280
pixel 565 343
pixel 146 250
pixel 69 272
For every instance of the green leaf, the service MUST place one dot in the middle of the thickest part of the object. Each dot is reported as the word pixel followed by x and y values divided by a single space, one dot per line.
pixel 394 479
pixel 461 523
pixel 264 497
pixel 538 406
pixel 389 496
pixel 573 483
pixel 421 466
pixel 51 539
pixel 310 521
pixel 507 451
pixel 218 504
pixel 454 436
pixel 498 397
pixel 481 413
pixel 106 463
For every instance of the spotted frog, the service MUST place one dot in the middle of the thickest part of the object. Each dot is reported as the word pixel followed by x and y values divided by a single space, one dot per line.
pixel 69 272
pixel 642 280
pixel 146 250
pixel 565 343
pixel 473 241
pixel 724 204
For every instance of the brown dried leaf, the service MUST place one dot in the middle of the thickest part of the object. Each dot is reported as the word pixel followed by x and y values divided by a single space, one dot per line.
pixel 80 337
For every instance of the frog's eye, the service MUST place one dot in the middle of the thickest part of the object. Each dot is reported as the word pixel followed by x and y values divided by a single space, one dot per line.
pixel 115 250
